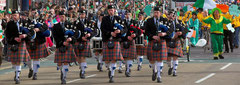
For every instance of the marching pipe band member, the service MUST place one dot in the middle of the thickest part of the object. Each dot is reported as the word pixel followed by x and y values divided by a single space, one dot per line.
pixel 157 48
pixel 174 44
pixel 82 46
pixel 111 41
pixel 17 50
pixel 98 53
pixel 64 53
pixel 128 46
pixel 37 47
pixel 141 50
pixel 216 21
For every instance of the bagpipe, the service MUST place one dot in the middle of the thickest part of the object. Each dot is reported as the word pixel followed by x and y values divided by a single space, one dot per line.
pixel 119 25
pixel 140 40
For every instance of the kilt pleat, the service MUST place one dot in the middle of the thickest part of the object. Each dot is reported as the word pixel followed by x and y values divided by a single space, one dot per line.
pixel 21 55
pixel 86 52
pixel 112 54
pixel 67 57
pixel 157 55
pixel 40 52
pixel 141 50
pixel 130 52
pixel 177 50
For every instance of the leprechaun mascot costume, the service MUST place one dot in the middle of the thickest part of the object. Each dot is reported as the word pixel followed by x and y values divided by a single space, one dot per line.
pixel 216 21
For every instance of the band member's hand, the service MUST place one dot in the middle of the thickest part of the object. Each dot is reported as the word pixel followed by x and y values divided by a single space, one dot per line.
pixel 84 39
pixel 65 43
pixel 69 39
pixel 117 31
pixel 113 34
pixel 17 39
pixel 179 33
pixel 22 36
pixel 133 35
pixel 36 29
pixel 145 42
pixel 88 35
pixel 156 38
pixel 130 38
pixel 162 34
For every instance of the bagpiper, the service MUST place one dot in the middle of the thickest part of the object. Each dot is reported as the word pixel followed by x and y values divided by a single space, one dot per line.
pixel 142 41
pixel 17 50
pixel 128 46
pixel 157 48
pixel 82 46
pixel 37 47
pixel 111 36
pixel 64 53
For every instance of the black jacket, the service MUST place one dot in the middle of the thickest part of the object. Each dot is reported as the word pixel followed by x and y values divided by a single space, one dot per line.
pixel 151 29
pixel 12 32
pixel 80 26
pixel 107 27
pixel 58 34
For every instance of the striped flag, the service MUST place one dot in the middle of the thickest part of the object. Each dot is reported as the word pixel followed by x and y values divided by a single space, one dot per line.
pixel 205 4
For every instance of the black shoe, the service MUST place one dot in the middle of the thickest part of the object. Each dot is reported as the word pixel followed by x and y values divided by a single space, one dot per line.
pixel 111 79
pixel 109 74
pixel 120 71
pixel 98 66
pixel 215 58
pixel 63 81
pixel 174 74
pixel 30 74
pixel 139 67
pixel 82 75
pixel 159 80
pixel 221 57
pixel 232 50
pixel 170 71
pixel 34 76
pixel 17 81
pixel 154 76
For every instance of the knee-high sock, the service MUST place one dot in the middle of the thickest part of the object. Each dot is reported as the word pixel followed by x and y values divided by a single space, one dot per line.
pixel 169 63
pixel 175 65
pixel 107 65
pixel 113 68
pixel 129 65
pixel 18 70
pixel 65 70
pixel 159 68
pixel 29 64
pixel 59 67
pixel 36 65
pixel 153 66
pixel 83 66
pixel 100 57
pixel 140 59
pixel 120 65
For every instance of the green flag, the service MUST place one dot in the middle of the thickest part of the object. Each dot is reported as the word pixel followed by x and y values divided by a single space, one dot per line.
pixel 147 10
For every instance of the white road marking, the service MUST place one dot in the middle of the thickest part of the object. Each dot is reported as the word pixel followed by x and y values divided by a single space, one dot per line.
pixel 81 79
pixel 224 67
pixel 205 78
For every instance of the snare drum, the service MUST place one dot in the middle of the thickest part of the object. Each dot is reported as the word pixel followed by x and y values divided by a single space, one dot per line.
pixel 140 40
pixel 97 43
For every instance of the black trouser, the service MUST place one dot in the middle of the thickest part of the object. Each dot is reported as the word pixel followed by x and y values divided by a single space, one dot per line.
pixel 228 37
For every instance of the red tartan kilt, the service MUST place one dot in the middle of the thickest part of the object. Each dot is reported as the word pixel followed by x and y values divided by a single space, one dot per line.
pixel 176 51
pixel 83 53
pixel 40 52
pixel 67 57
pixel 21 55
pixel 112 54
pixel 141 50
pixel 157 55
pixel 130 52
